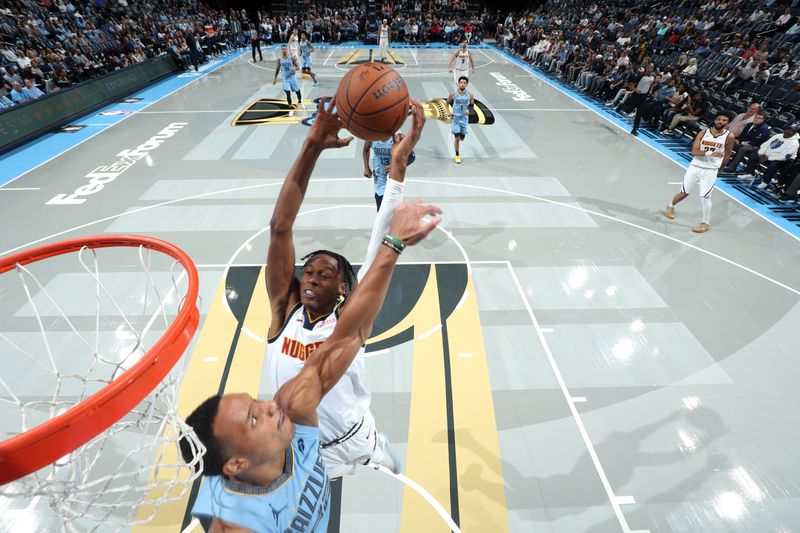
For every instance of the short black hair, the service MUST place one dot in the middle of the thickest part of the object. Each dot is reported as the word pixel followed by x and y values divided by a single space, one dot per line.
pixel 723 113
pixel 345 268
pixel 202 422
pixel 463 78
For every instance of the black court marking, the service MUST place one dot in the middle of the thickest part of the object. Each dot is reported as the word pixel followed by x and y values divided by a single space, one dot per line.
pixel 334 522
pixel 452 281
pixel 239 287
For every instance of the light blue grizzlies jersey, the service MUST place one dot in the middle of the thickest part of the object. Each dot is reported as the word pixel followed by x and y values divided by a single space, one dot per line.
pixel 304 50
pixel 381 158
pixel 296 502
pixel 286 66
pixel 460 104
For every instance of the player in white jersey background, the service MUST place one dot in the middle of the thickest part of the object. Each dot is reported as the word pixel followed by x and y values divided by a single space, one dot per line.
pixel 294 46
pixel 461 62
pixel 305 312
pixel 262 466
pixel 711 150
pixel 384 37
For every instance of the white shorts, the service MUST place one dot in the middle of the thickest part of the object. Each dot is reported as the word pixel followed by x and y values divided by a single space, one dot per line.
pixel 705 177
pixel 384 43
pixel 354 448
pixel 458 73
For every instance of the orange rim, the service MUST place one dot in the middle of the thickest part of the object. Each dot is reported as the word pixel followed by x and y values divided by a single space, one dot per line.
pixel 27 452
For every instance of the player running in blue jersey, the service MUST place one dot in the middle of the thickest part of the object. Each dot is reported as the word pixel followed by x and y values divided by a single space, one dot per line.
pixel 462 101
pixel 288 67
pixel 381 160
pixel 262 467
pixel 305 53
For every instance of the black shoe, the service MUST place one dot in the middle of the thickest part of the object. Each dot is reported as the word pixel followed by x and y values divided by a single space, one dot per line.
pixel 634 132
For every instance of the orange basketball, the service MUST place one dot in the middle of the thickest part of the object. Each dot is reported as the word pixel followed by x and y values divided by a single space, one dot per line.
pixel 372 101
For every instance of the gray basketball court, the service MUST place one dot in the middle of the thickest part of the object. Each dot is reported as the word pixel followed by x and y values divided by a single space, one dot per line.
pixel 558 357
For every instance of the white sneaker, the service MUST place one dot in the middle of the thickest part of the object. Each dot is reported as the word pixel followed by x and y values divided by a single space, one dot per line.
pixel 384 455
pixel 762 185
pixel 745 176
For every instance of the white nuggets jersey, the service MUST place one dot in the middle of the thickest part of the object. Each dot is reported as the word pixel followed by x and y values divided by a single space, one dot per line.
pixel 462 60
pixel 384 33
pixel 345 404
pixel 711 143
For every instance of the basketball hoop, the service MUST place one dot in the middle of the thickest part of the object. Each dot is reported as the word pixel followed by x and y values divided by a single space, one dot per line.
pixel 123 404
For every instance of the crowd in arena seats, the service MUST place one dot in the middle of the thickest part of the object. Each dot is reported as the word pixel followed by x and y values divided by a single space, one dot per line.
pixel 674 65
pixel 47 45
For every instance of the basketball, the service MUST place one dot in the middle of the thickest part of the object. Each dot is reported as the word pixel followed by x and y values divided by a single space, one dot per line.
pixel 372 101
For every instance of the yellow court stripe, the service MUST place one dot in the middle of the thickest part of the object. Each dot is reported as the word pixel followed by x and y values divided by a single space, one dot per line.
pixel 250 354
pixel 427 460
pixel 201 380
pixel 481 489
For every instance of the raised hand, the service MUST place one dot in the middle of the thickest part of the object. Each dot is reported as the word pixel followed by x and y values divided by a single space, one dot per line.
pixel 401 150
pixel 407 224
pixel 325 131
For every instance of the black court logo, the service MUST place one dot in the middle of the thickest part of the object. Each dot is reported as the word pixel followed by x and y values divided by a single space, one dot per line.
pixel 274 111
pixel 364 55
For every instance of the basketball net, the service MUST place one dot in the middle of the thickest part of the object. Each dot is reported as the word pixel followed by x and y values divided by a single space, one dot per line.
pixel 67 346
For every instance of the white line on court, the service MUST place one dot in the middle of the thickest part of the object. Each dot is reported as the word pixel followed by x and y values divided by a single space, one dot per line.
pixel 125 117
pixel 177 111
pixel 324 63
pixel 453 184
pixel 428 333
pixel 19 188
pixel 571 404
pixel 539 77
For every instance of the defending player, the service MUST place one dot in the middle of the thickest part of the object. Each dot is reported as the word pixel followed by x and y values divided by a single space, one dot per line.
pixel 288 67
pixel 305 51
pixel 263 469
pixel 462 58
pixel 711 151
pixel 384 34
pixel 463 102
pixel 381 159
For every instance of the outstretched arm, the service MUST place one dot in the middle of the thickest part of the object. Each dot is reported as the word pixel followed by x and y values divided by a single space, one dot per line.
pixel 301 395
pixel 394 187
pixel 281 283
pixel 365 155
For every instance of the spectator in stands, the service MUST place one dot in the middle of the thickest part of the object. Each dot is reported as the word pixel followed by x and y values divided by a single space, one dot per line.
pixel 5 101
pixel 749 140
pixel 763 73
pixel 775 152
pixel 19 94
pixel 32 89
pixel 691 68
pixel 736 126
pixel 656 109
pixel 695 107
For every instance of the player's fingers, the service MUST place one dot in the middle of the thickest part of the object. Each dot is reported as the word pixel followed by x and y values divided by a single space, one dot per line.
pixel 430 226
pixel 345 141
pixel 429 210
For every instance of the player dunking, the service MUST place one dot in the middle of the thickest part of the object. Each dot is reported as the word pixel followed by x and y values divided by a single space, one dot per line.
pixel 462 102
pixel 263 470
pixel 711 151
pixel 288 67
pixel 305 312
pixel 305 52
pixel 384 34
pixel 462 58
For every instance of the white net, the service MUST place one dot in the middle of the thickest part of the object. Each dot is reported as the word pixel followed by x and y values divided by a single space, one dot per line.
pixel 66 331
